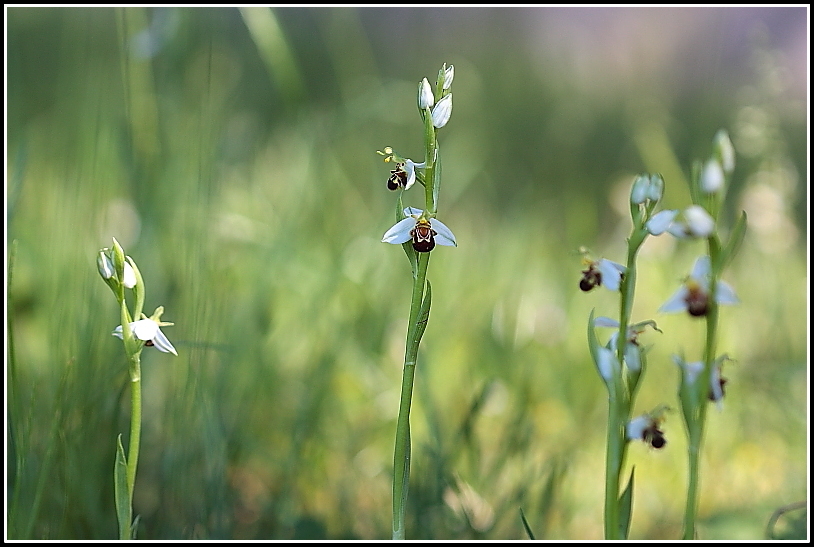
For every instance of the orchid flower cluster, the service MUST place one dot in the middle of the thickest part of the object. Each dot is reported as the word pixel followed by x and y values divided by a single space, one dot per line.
pixel 700 295
pixel 418 231
pixel 622 359
pixel 120 273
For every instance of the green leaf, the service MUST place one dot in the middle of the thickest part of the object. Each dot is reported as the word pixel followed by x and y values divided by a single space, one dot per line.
pixel 134 528
pixel 695 177
pixel 714 244
pixel 124 512
pixel 526 525
pixel 593 342
pixel 423 316
pixel 735 239
pixel 625 506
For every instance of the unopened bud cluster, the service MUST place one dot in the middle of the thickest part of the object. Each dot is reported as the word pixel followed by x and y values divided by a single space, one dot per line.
pixel 120 272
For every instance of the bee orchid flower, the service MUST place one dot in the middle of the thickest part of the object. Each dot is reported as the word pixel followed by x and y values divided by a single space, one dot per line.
pixel 633 350
pixel 693 296
pixel 148 331
pixel 425 232
pixel 601 272
pixel 647 428
pixel 716 382
pixel 403 175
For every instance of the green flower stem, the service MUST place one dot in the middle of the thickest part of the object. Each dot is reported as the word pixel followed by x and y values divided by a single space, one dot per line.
pixel 401 456
pixel 695 429
pixel 135 423
pixel 695 435
pixel 616 448
pixel 134 353
pixel 619 394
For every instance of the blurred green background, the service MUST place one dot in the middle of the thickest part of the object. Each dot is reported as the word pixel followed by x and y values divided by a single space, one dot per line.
pixel 232 153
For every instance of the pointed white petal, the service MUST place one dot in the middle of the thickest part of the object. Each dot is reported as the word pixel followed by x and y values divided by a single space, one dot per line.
pixel 611 273
pixel 725 294
pixel 605 360
pixel 400 231
pixel 633 357
pixel 701 268
pixel 612 342
pixel 444 235
pixel 603 321
pixel 161 343
pixel 409 167
pixel 676 303
pixel 412 212
pixel 117 332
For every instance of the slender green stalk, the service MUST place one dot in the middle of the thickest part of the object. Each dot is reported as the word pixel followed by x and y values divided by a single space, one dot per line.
pixel 613 467
pixel 135 424
pixel 696 429
pixel 418 252
pixel 125 532
pixel 401 456
pixel 619 394
pixel 119 271
pixel 691 507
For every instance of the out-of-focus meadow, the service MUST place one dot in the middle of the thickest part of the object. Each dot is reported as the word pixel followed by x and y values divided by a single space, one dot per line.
pixel 233 155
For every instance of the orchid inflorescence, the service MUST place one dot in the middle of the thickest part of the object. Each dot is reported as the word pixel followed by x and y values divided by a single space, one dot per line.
pixel 620 365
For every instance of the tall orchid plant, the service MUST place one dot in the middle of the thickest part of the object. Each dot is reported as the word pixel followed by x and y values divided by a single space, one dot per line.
pixel 621 361
pixel 418 231
pixel 121 273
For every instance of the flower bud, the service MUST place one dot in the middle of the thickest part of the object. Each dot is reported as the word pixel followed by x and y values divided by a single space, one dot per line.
pixel 699 223
pixel 656 189
pixel 725 150
pixel 118 259
pixel 105 265
pixel 129 279
pixel 449 74
pixel 442 112
pixel 661 221
pixel 712 177
pixel 425 96
pixel 640 190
